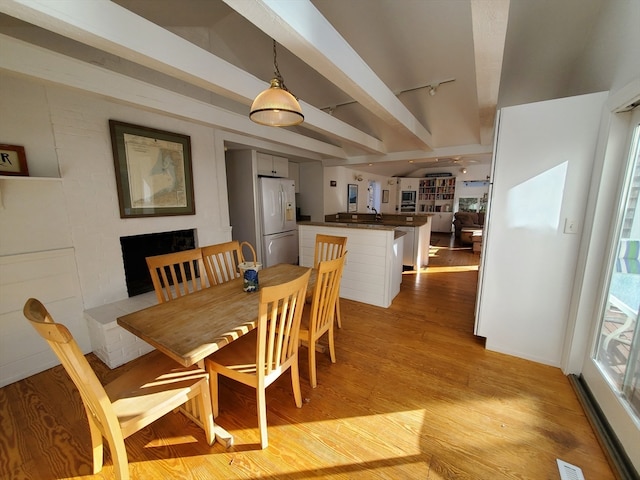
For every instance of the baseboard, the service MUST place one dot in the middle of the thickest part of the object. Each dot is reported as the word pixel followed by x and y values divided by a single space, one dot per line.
pixel 614 452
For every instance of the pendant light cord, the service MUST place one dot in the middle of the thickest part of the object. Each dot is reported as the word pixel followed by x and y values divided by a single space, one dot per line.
pixel 276 70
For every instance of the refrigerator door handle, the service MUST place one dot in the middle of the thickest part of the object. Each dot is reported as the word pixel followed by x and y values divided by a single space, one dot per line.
pixel 282 206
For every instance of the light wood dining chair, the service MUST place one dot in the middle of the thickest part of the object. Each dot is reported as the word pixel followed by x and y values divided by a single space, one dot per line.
pixel 318 316
pixel 258 358
pixel 154 387
pixel 221 261
pixel 330 247
pixel 177 274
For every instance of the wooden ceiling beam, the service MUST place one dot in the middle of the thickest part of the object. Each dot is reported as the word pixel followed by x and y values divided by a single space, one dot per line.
pixel 304 31
pixel 109 27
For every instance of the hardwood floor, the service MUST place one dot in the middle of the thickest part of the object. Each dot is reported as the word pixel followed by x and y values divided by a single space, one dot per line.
pixel 414 395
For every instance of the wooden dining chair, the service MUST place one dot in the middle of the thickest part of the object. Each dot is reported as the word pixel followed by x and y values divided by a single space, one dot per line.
pixel 154 387
pixel 258 358
pixel 221 261
pixel 330 247
pixel 318 316
pixel 177 274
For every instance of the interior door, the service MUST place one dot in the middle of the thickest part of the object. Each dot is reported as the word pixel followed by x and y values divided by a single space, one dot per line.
pixel 612 367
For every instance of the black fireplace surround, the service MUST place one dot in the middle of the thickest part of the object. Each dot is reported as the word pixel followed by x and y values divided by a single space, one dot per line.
pixel 136 248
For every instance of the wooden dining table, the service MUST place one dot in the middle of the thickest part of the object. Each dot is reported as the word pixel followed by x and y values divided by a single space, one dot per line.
pixel 190 328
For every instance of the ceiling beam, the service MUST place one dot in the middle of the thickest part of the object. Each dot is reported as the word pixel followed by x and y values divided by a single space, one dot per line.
pixel 302 29
pixel 109 27
pixel 489 18
pixel 36 62
pixel 472 150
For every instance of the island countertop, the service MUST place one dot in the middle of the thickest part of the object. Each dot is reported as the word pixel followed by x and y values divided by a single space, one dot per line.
pixel 360 225
pixel 393 220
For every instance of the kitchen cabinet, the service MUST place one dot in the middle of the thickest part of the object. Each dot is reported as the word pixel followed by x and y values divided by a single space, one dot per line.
pixel 272 165
pixel 416 245
pixel 442 222
pixel 407 252
pixel 408 184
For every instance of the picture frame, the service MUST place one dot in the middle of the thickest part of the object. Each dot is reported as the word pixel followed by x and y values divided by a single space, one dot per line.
pixel 385 196
pixel 352 197
pixel 13 160
pixel 153 171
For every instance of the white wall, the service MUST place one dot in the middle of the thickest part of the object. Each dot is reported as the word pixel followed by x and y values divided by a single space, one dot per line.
pixel 610 59
pixel 311 190
pixel 66 131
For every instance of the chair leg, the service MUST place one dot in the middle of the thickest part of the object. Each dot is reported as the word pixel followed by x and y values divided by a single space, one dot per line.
pixel 96 443
pixel 118 454
pixel 213 389
pixel 332 345
pixel 312 363
pixel 295 382
pixel 338 316
pixel 261 400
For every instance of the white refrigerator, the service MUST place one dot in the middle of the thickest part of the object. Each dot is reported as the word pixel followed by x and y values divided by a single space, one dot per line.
pixel 278 221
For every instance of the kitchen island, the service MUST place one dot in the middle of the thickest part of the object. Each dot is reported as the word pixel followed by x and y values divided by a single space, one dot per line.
pixel 417 227
pixel 373 269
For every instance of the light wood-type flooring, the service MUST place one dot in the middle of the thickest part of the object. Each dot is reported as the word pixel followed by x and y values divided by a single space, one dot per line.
pixel 414 395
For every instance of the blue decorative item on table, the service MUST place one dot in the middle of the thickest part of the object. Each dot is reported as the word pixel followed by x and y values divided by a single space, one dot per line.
pixel 249 271
pixel 250 280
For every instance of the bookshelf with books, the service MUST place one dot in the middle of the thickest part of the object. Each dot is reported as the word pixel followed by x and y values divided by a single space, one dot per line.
pixel 436 194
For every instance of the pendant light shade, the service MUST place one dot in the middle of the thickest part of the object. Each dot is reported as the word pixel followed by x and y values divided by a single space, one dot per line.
pixel 275 106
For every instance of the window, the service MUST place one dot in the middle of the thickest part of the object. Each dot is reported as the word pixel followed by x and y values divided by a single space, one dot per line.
pixel 618 352
pixel 472 204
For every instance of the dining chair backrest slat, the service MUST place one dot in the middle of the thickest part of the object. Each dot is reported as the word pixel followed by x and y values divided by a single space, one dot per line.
pixel 177 274
pixel 328 247
pixel 221 261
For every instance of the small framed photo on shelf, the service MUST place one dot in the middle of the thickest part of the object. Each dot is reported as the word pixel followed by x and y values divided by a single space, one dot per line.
pixel 13 160
pixel 385 196
pixel 153 171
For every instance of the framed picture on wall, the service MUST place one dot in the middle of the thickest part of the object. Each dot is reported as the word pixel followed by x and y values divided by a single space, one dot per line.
pixel 153 171
pixel 13 160
pixel 385 196
pixel 352 197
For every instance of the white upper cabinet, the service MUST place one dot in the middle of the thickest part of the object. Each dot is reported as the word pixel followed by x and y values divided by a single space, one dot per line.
pixel 272 165
pixel 410 184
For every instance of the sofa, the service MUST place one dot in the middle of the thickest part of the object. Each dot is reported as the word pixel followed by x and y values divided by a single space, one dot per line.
pixel 467 220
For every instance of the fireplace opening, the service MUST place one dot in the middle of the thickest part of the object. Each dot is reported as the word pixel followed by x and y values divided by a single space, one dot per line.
pixel 136 248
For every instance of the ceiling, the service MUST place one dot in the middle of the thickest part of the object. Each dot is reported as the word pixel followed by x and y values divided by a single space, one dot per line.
pixel 362 69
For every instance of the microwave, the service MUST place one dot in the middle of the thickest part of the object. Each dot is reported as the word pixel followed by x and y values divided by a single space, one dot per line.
pixel 408 197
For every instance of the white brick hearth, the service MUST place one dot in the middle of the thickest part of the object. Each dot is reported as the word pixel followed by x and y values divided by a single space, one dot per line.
pixel 110 342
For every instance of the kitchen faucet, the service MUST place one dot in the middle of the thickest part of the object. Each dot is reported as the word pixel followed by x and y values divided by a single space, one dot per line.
pixel 378 215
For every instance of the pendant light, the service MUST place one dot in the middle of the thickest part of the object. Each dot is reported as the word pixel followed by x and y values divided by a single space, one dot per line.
pixel 276 107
